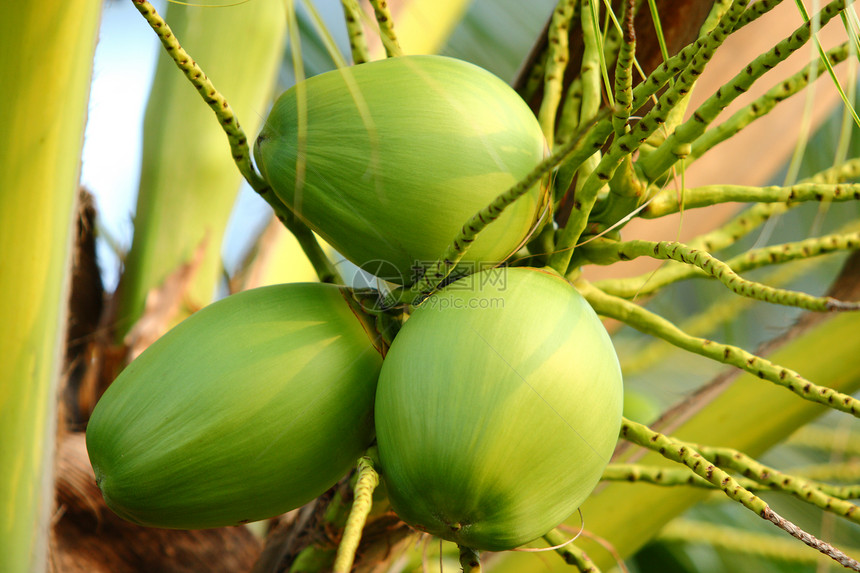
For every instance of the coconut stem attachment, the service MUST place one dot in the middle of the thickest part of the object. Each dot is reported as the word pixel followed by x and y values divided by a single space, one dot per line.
pixel 367 481
pixel 469 560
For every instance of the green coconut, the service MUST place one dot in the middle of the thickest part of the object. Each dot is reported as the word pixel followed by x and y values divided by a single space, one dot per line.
pixel 387 160
pixel 498 407
pixel 251 407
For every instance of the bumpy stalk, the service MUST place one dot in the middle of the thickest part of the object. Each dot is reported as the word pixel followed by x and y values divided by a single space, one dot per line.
pixel 763 479
pixel 763 105
pixel 753 259
pixel 600 249
pixel 803 489
pixel 677 145
pixel 367 481
pixel 731 232
pixel 624 76
pixel 568 123
pixel 469 560
pixel 665 202
pixel 386 27
pixel 799 250
pixel 665 477
pixel 842 172
pixel 175 225
pixel 571 554
pixel 754 12
pixel 664 73
pixel 631 141
pixel 355 31
pixel 720 312
pixel 589 73
pixel 625 187
pixel 686 454
pixel 718 9
pixel 588 97
pixel 650 323
pixel 683 59
pixel 812 541
pixel 556 62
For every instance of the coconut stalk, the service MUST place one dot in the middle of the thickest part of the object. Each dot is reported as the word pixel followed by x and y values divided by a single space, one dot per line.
pixel 46 73
pixel 188 183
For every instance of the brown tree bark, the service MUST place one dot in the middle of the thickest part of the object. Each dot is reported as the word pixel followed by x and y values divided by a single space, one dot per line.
pixel 87 537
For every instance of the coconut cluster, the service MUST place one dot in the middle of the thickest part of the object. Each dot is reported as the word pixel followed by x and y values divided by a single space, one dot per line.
pixel 497 405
